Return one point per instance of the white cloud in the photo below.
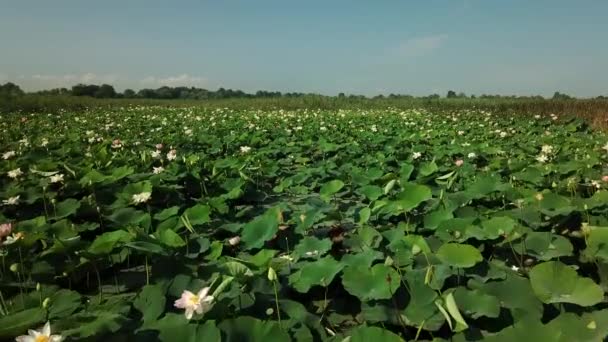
(420, 46)
(174, 81)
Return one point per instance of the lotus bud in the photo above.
(46, 302)
(272, 275)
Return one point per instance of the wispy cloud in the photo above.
(174, 81)
(420, 46)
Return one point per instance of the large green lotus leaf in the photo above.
(554, 205)
(371, 192)
(311, 247)
(362, 259)
(457, 229)
(330, 188)
(66, 208)
(150, 302)
(544, 245)
(459, 255)
(308, 218)
(208, 332)
(589, 327)
(170, 238)
(525, 330)
(99, 322)
(514, 292)
(421, 307)
(530, 175)
(261, 229)
(367, 334)
(365, 238)
(130, 217)
(377, 282)
(320, 272)
(106, 242)
(64, 303)
(197, 214)
(485, 185)
(476, 304)
(597, 244)
(555, 282)
(567, 327)
(166, 213)
(17, 323)
(405, 172)
(599, 199)
(427, 169)
(497, 226)
(436, 217)
(246, 328)
(174, 327)
(411, 196)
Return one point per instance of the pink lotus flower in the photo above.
(459, 162)
(605, 178)
(199, 303)
(116, 143)
(159, 146)
(5, 229)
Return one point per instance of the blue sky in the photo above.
(361, 47)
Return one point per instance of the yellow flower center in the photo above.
(193, 301)
(42, 338)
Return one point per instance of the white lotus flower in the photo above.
(171, 155)
(12, 239)
(42, 335)
(44, 142)
(157, 170)
(15, 173)
(503, 134)
(8, 155)
(515, 268)
(472, 155)
(547, 149)
(416, 155)
(58, 178)
(245, 149)
(141, 197)
(155, 154)
(199, 303)
(11, 200)
(542, 158)
(233, 241)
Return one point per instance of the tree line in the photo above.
(106, 91)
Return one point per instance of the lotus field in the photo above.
(199, 224)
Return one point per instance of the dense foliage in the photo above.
(303, 225)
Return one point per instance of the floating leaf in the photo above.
(554, 282)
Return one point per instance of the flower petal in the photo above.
(203, 292)
(189, 313)
(46, 330)
(56, 338)
(25, 338)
